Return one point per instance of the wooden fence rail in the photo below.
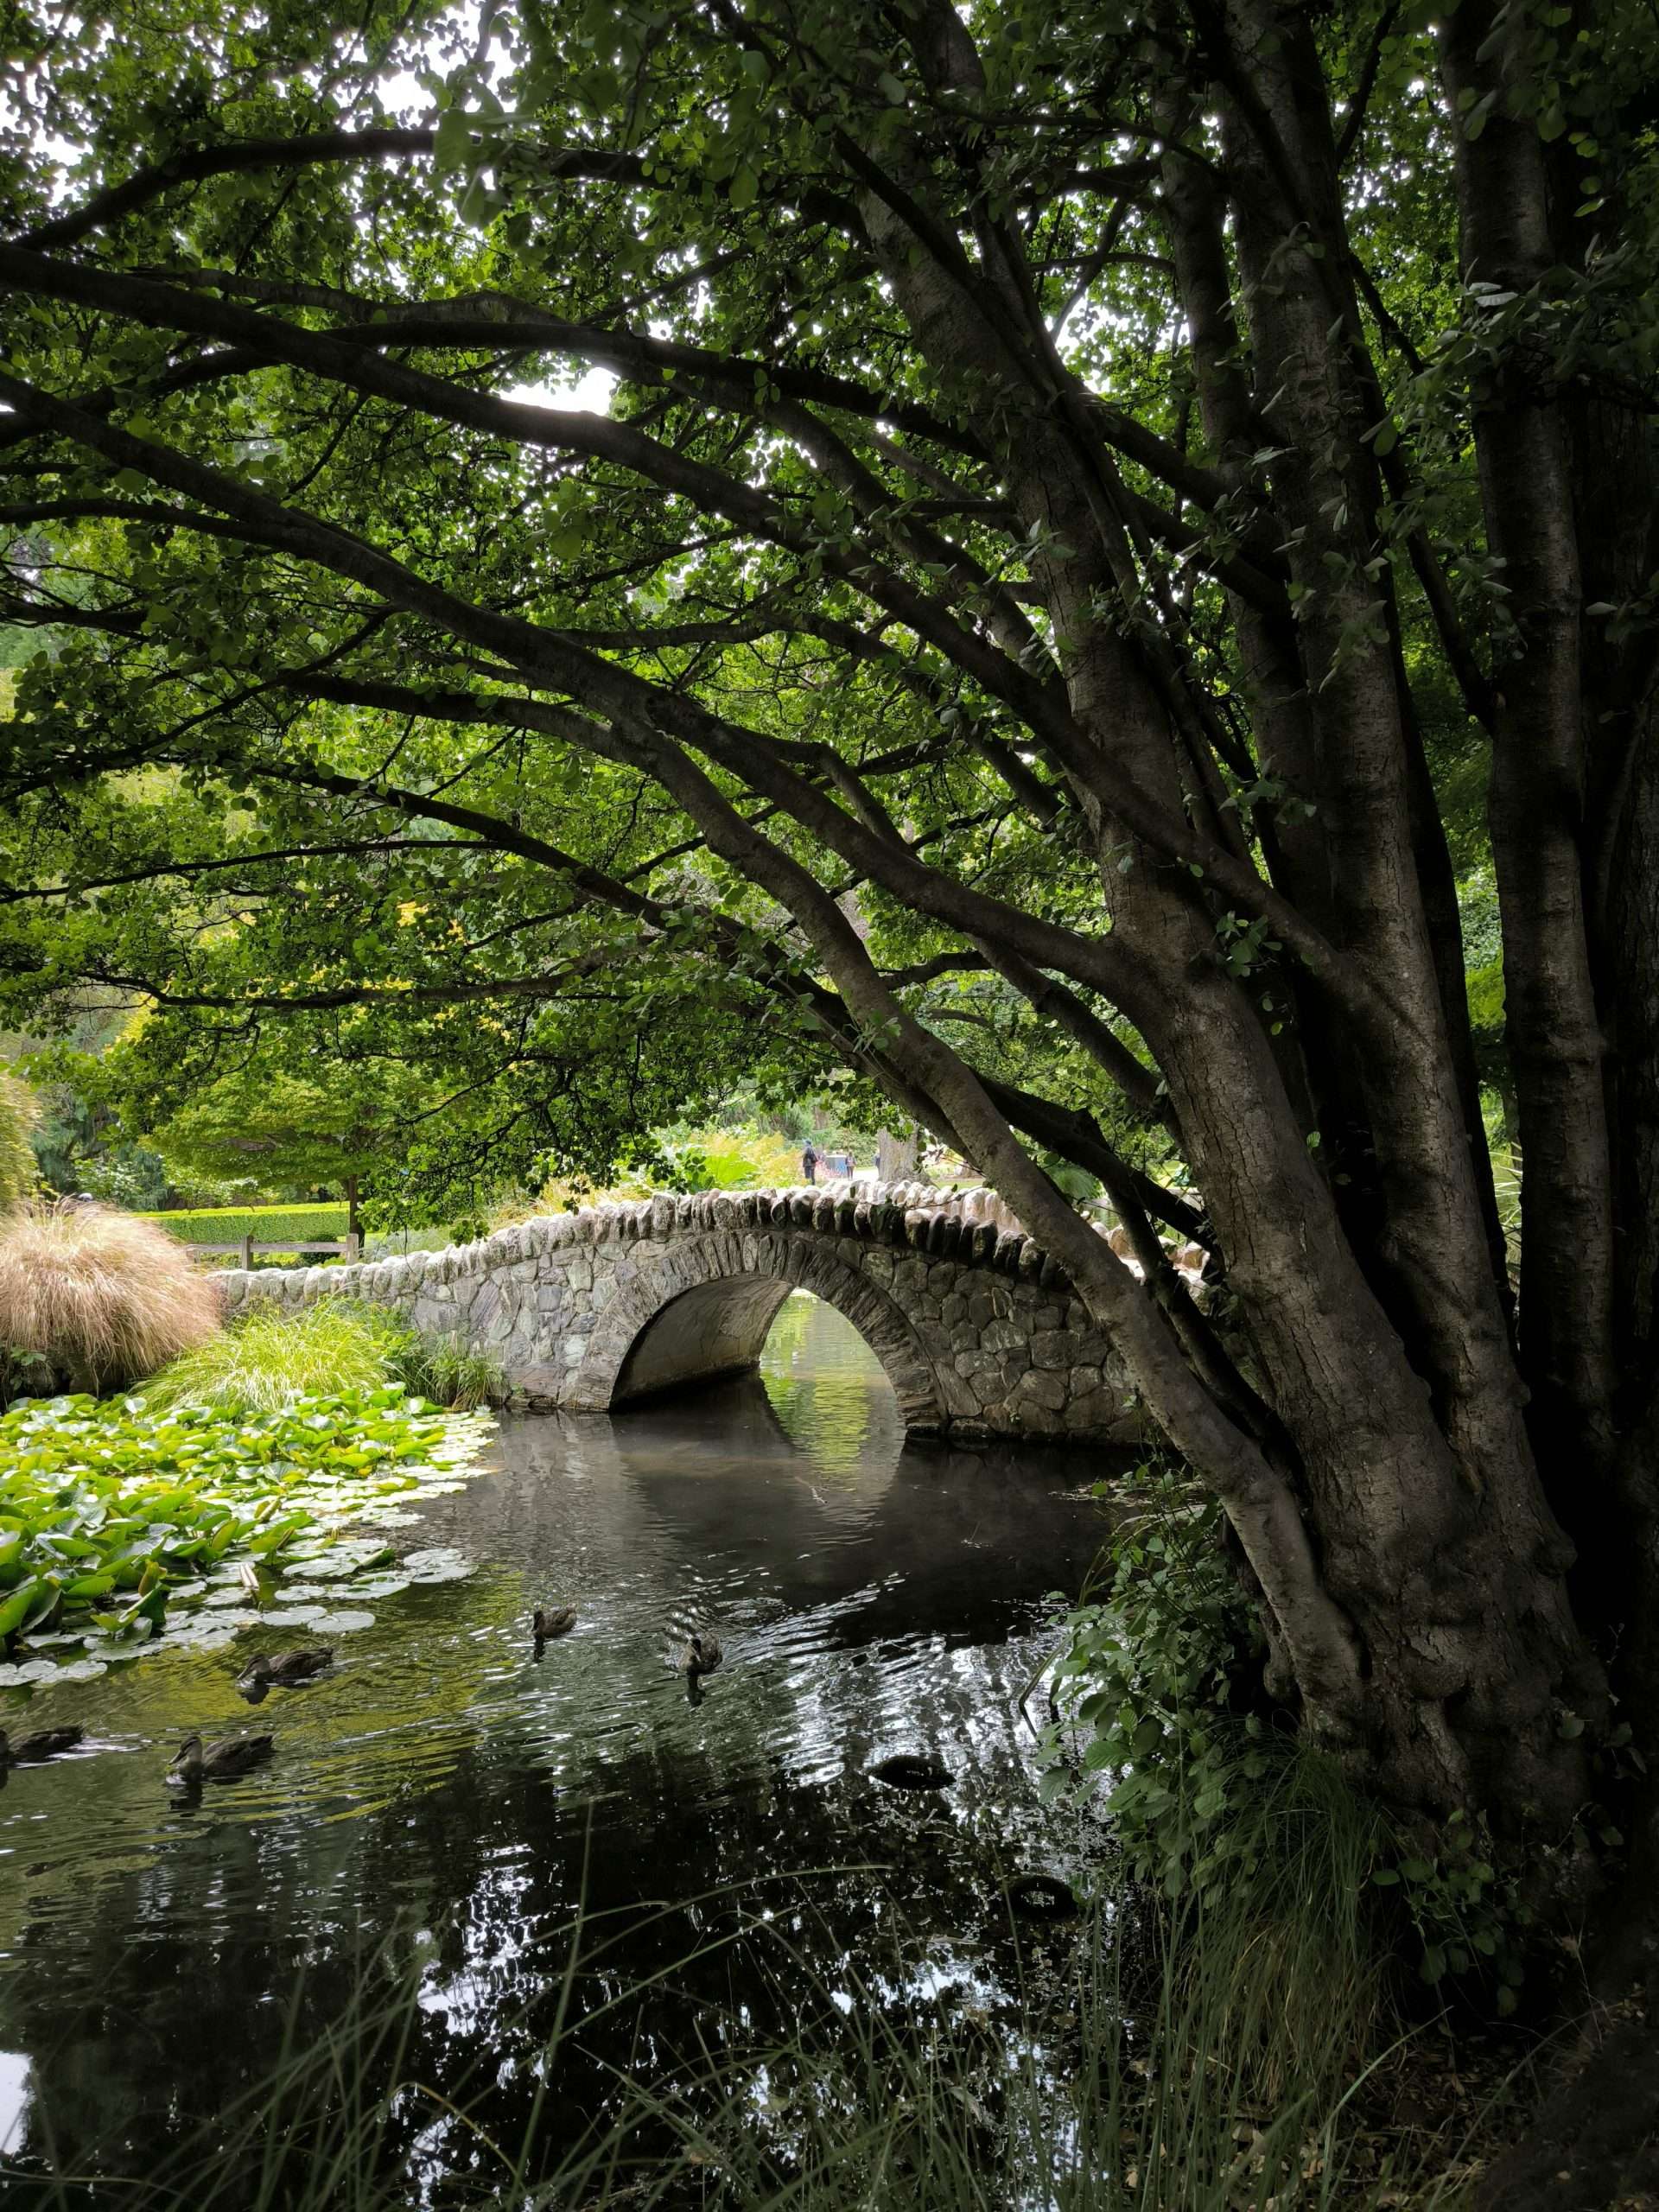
(349, 1247)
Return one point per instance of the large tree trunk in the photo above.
(1423, 1612)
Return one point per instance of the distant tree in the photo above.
(334, 1131)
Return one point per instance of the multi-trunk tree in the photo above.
(1084, 493)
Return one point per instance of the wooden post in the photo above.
(247, 1250)
(354, 1243)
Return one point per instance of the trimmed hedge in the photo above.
(228, 1224)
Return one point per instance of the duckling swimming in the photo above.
(702, 1655)
(285, 1668)
(196, 1762)
(44, 1744)
(559, 1621)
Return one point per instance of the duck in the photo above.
(557, 1622)
(44, 1744)
(283, 1667)
(703, 1655)
(195, 1761)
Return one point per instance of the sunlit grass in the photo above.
(268, 1357)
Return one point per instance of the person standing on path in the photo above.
(809, 1163)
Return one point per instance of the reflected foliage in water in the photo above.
(447, 1800)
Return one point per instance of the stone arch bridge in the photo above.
(978, 1329)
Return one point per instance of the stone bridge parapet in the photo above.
(978, 1329)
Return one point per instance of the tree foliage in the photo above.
(18, 1114)
(1099, 515)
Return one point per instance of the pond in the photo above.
(572, 1839)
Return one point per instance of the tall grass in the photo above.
(267, 1358)
(446, 1371)
(101, 1298)
(1139, 2064)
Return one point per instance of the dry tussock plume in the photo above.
(105, 1298)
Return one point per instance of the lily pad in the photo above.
(119, 1505)
(343, 1623)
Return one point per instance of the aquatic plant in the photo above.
(104, 1297)
(445, 1369)
(125, 1529)
(268, 1358)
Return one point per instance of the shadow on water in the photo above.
(448, 1794)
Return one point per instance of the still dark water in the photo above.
(527, 1842)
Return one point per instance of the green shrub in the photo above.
(265, 1225)
(446, 1371)
(103, 1299)
(268, 1357)
(1163, 1675)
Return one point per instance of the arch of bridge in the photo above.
(702, 1306)
(977, 1329)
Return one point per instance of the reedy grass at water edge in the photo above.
(446, 1371)
(1132, 2071)
(268, 1357)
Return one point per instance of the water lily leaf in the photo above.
(343, 1623)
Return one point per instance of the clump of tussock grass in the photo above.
(445, 1370)
(267, 1358)
(99, 1297)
